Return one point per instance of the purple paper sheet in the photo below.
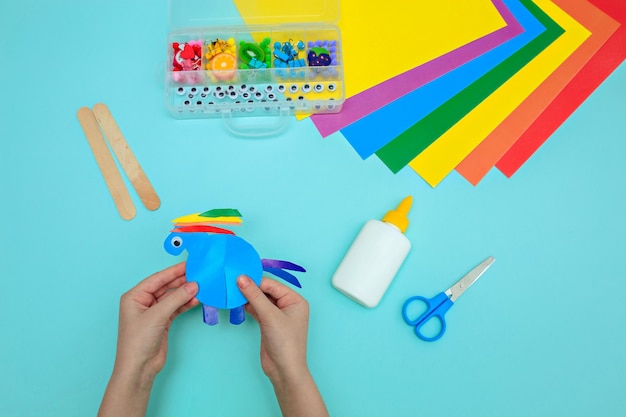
(380, 95)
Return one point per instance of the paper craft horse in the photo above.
(217, 257)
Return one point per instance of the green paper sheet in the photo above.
(399, 152)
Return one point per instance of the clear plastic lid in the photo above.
(199, 13)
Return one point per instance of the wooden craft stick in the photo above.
(107, 165)
(126, 158)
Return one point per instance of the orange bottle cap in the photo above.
(398, 217)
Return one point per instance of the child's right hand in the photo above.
(283, 317)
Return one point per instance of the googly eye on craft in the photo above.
(258, 94)
(230, 88)
(269, 88)
(252, 89)
(306, 87)
(300, 98)
(318, 88)
(271, 96)
(293, 88)
(219, 94)
(242, 88)
(206, 90)
(199, 103)
(331, 87)
(187, 102)
(245, 95)
(219, 88)
(233, 94)
(181, 91)
(281, 88)
(193, 91)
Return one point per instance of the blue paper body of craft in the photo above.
(214, 262)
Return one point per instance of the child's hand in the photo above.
(146, 313)
(283, 316)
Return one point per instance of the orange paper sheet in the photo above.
(478, 163)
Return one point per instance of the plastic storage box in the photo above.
(241, 59)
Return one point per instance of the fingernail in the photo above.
(191, 288)
(243, 281)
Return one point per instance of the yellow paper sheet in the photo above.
(384, 39)
(440, 158)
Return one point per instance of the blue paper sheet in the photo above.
(374, 131)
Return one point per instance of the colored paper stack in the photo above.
(469, 86)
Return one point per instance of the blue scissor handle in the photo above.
(436, 308)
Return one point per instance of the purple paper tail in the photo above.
(275, 263)
(210, 315)
(290, 278)
(276, 267)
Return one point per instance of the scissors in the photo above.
(437, 306)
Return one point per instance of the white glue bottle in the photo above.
(374, 258)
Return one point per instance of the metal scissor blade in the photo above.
(464, 283)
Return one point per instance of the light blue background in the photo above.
(542, 333)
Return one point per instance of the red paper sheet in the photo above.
(597, 69)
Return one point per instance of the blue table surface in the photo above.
(541, 333)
